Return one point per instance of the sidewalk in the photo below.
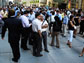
(62, 55)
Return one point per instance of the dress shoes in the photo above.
(40, 55)
(25, 48)
(57, 46)
(14, 60)
(46, 50)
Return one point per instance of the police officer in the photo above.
(14, 27)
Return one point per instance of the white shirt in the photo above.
(52, 18)
(25, 21)
(36, 25)
(44, 23)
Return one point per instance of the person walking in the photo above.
(14, 27)
(82, 53)
(65, 24)
(77, 24)
(71, 27)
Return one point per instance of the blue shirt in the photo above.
(48, 12)
(16, 12)
(15, 8)
(60, 17)
(65, 20)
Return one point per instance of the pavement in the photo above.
(55, 55)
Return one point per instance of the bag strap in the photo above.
(43, 22)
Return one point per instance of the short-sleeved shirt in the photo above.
(36, 25)
(44, 23)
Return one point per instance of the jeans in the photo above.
(44, 37)
(70, 38)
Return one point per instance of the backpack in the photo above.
(56, 25)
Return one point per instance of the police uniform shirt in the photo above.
(44, 23)
(25, 21)
(36, 25)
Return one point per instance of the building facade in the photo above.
(3, 3)
(38, 2)
(74, 3)
(42, 2)
(82, 5)
(55, 3)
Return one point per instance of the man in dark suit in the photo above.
(14, 27)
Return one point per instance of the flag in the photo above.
(69, 4)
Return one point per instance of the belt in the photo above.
(43, 31)
(35, 32)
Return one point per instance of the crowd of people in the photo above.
(34, 24)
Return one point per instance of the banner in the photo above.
(69, 4)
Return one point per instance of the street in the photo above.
(55, 55)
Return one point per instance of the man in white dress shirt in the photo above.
(36, 27)
(25, 32)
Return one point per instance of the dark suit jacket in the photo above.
(14, 26)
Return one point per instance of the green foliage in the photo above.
(24, 2)
(35, 1)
